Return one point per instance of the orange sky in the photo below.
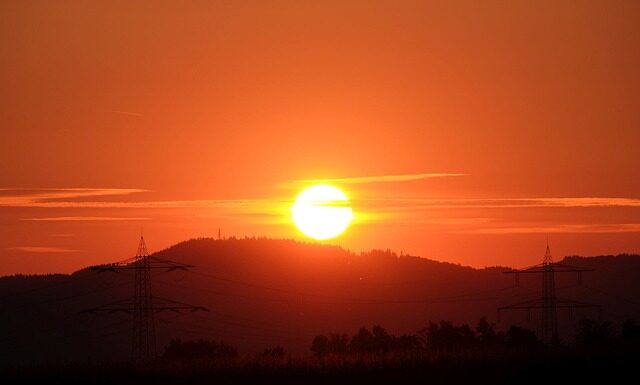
(185, 117)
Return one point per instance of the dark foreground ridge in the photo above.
(265, 293)
(508, 368)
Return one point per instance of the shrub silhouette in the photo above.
(630, 331)
(520, 338)
(445, 336)
(382, 340)
(362, 342)
(406, 342)
(338, 343)
(486, 334)
(376, 340)
(276, 352)
(198, 349)
(320, 345)
(335, 343)
(436, 337)
(593, 332)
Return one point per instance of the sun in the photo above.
(322, 212)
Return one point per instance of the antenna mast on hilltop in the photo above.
(549, 309)
(143, 305)
(548, 303)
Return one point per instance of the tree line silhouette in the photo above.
(198, 349)
(443, 336)
(440, 353)
(436, 337)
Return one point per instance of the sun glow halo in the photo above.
(322, 212)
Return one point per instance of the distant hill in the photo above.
(264, 292)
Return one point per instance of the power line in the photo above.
(338, 300)
(613, 295)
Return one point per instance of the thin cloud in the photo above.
(570, 202)
(491, 203)
(455, 221)
(368, 210)
(210, 203)
(33, 197)
(85, 219)
(569, 229)
(42, 249)
(429, 211)
(380, 178)
(128, 113)
(418, 218)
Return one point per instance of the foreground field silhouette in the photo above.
(264, 293)
(441, 353)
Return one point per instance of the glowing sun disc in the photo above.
(322, 212)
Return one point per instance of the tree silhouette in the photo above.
(320, 345)
(190, 350)
(630, 331)
(362, 342)
(486, 334)
(406, 342)
(520, 338)
(276, 352)
(382, 340)
(445, 336)
(593, 332)
(338, 343)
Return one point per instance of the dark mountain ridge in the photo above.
(265, 292)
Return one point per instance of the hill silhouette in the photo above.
(263, 293)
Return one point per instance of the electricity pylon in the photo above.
(548, 303)
(143, 305)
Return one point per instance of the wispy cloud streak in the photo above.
(67, 198)
(489, 203)
(572, 228)
(210, 203)
(380, 178)
(42, 249)
(15, 197)
(85, 219)
(128, 113)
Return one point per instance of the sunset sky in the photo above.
(461, 131)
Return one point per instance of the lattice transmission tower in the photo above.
(548, 303)
(143, 304)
